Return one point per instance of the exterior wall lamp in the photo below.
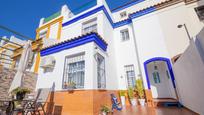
(184, 25)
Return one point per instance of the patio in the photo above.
(153, 111)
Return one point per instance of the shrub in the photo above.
(122, 93)
(130, 93)
(105, 108)
(140, 88)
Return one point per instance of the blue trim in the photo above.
(126, 6)
(74, 43)
(169, 68)
(83, 16)
(122, 23)
(114, 25)
(142, 12)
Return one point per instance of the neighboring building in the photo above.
(105, 51)
(7, 48)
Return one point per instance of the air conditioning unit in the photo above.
(200, 12)
(47, 62)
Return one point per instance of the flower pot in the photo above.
(20, 96)
(133, 102)
(104, 113)
(122, 98)
(142, 102)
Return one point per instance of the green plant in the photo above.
(71, 84)
(21, 90)
(122, 93)
(105, 108)
(140, 88)
(130, 93)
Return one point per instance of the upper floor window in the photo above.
(43, 34)
(130, 73)
(123, 14)
(125, 34)
(89, 26)
(74, 70)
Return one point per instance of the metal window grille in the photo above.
(74, 71)
(101, 77)
(130, 73)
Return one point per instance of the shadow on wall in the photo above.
(53, 109)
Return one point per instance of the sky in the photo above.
(23, 16)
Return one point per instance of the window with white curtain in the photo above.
(130, 73)
(101, 77)
(125, 35)
(74, 70)
(89, 26)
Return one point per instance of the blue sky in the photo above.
(24, 15)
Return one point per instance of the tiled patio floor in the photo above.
(153, 111)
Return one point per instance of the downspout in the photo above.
(136, 51)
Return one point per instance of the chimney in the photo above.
(66, 12)
(41, 21)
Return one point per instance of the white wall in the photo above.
(108, 36)
(136, 7)
(150, 40)
(54, 30)
(46, 80)
(189, 71)
(164, 89)
(75, 29)
(176, 39)
(124, 55)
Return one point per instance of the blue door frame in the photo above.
(168, 65)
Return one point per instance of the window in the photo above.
(123, 14)
(89, 26)
(17, 62)
(74, 70)
(124, 35)
(167, 74)
(200, 12)
(101, 71)
(156, 77)
(43, 34)
(130, 73)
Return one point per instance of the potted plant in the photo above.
(122, 97)
(140, 91)
(70, 85)
(20, 92)
(131, 96)
(105, 110)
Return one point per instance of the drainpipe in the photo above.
(136, 51)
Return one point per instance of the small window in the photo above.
(130, 73)
(123, 14)
(89, 26)
(200, 12)
(156, 77)
(124, 35)
(167, 74)
(43, 34)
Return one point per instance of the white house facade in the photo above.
(103, 51)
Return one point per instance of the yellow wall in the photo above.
(48, 26)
